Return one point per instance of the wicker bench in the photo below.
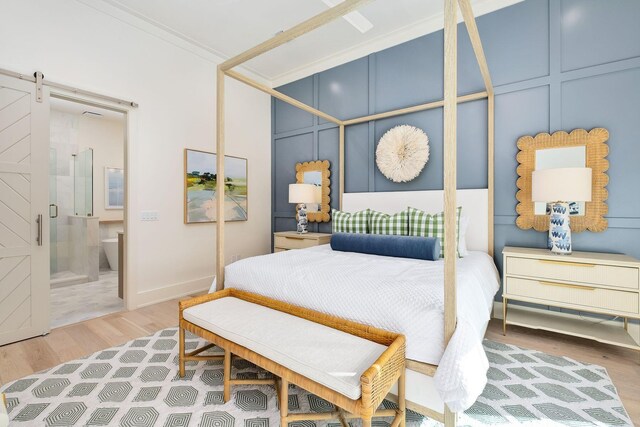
(348, 364)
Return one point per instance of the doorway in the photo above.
(32, 200)
(86, 210)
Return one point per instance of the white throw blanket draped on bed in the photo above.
(396, 294)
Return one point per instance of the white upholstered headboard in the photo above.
(474, 205)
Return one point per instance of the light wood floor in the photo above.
(74, 341)
(81, 339)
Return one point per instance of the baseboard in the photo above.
(634, 327)
(170, 292)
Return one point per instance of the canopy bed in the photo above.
(421, 395)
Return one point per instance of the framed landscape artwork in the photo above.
(200, 187)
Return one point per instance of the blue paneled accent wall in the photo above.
(556, 65)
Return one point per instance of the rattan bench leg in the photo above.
(402, 380)
(366, 421)
(181, 350)
(284, 402)
(227, 376)
(342, 419)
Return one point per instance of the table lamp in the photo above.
(560, 186)
(302, 194)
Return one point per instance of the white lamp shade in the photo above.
(561, 185)
(302, 193)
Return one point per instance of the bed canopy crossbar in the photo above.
(448, 103)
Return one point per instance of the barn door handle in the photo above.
(39, 222)
(53, 216)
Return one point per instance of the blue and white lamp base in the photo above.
(302, 218)
(559, 231)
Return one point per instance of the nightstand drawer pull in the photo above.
(293, 238)
(567, 263)
(566, 285)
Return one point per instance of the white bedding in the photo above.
(396, 294)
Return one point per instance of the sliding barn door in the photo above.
(24, 224)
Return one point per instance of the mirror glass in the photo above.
(566, 157)
(314, 178)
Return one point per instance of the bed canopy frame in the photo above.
(449, 104)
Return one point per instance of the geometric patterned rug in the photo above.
(137, 384)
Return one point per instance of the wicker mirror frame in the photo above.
(321, 166)
(596, 153)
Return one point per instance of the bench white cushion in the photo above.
(325, 355)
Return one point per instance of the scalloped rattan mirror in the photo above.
(589, 216)
(316, 173)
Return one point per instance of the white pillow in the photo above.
(462, 238)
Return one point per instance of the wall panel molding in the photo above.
(527, 102)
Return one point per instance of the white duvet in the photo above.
(396, 294)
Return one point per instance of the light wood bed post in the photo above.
(294, 32)
(341, 161)
(413, 109)
(490, 168)
(449, 103)
(281, 96)
(220, 259)
(450, 171)
(476, 43)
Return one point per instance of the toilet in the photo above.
(110, 247)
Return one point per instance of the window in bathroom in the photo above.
(114, 188)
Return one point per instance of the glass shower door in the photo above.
(83, 183)
(53, 210)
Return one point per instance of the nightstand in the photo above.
(286, 240)
(592, 282)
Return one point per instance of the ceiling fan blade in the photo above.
(356, 19)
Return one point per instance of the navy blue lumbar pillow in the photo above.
(427, 248)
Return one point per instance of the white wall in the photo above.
(76, 44)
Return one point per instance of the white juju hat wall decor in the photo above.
(402, 153)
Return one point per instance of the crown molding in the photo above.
(385, 41)
(122, 13)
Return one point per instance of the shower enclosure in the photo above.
(83, 183)
(71, 215)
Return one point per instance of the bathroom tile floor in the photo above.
(76, 303)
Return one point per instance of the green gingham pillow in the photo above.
(396, 224)
(345, 222)
(427, 225)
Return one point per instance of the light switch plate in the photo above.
(149, 216)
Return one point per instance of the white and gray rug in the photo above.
(136, 384)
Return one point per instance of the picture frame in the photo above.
(200, 187)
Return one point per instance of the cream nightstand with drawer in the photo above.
(286, 240)
(584, 281)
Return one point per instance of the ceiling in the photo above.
(70, 107)
(228, 27)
